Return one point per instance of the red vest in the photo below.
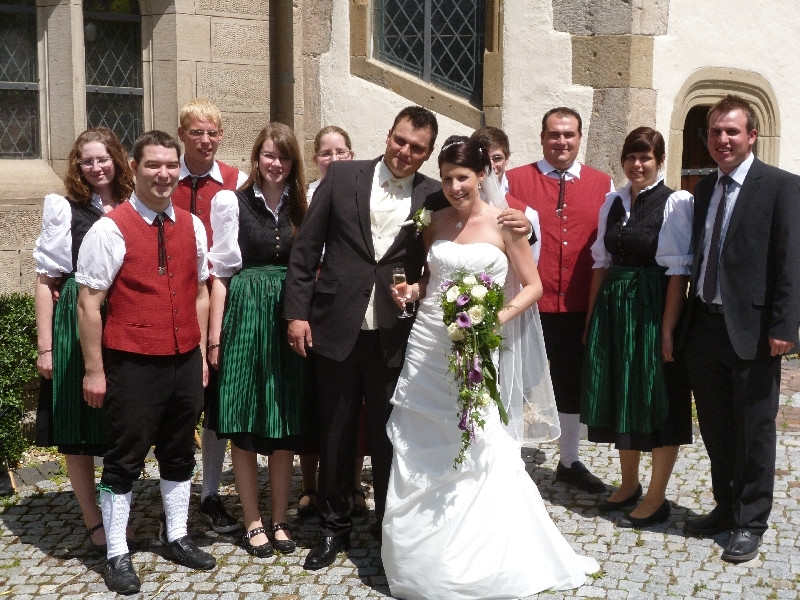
(148, 313)
(565, 264)
(206, 188)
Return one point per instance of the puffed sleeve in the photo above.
(225, 256)
(202, 250)
(101, 255)
(675, 238)
(53, 251)
(601, 256)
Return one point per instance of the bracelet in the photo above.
(212, 346)
(40, 352)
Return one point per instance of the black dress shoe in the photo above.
(185, 552)
(717, 521)
(119, 575)
(659, 516)
(579, 476)
(324, 553)
(609, 505)
(283, 546)
(743, 546)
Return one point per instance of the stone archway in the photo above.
(703, 88)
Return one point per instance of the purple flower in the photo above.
(486, 279)
(475, 376)
(462, 424)
(462, 300)
(463, 320)
(446, 284)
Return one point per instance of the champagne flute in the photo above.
(399, 278)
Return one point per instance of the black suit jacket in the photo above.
(760, 259)
(335, 304)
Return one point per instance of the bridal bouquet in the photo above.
(470, 303)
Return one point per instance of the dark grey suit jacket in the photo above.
(760, 259)
(335, 304)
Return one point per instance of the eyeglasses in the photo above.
(496, 158)
(89, 163)
(270, 157)
(340, 154)
(198, 133)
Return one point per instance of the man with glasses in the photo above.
(201, 177)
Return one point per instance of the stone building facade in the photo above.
(310, 63)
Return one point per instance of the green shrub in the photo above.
(17, 367)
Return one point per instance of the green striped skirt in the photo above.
(623, 386)
(261, 379)
(73, 421)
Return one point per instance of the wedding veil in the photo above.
(524, 376)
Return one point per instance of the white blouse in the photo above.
(53, 251)
(674, 249)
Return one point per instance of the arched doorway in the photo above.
(696, 162)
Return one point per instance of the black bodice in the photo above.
(262, 241)
(83, 217)
(634, 244)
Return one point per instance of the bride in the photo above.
(478, 530)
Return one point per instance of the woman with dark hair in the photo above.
(634, 390)
(443, 536)
(261, 381)
(98, 178)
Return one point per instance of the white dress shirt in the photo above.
(214, 173)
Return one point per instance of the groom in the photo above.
(349, 316)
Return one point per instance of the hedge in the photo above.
(17, 367)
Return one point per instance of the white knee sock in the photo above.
(570, 437)
(116, 509)
(213, 457)
(175, 495)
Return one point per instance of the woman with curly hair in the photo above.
(98, 178)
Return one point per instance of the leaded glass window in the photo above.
(113, 45)
(19, 80)
(439, 41)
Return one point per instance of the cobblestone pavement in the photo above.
(44, 552)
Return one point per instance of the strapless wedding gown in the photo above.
(480, 531)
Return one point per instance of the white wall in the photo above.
(751, 35)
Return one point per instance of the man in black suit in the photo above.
(744, 315)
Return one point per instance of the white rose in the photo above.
(425, 217)
(479, 292)
(455, 332)
(470, 280)
(484, 398)
(475, 314)
(452, 293)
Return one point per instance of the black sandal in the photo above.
(265, 550)
(359, 509)
(283, 546)
(99, 548)
(310, 509)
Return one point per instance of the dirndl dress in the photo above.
(63, 416)
(262, 381)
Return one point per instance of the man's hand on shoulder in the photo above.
(515, 220)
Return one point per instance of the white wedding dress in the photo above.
(480, 531)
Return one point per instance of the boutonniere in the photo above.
(420, 220)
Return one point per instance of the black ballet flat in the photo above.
(609, 505)
(283, 546)
(265, 550)
(659, 516)
(310, 509)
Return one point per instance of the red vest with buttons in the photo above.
(565, 264)
(206, 188)
(148, 313)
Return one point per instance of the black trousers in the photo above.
(737, 404)
(563, 338)
(151, 400)
(340, 387)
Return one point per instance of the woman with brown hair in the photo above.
(261, 381)
(635, 393)
(98, 178)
